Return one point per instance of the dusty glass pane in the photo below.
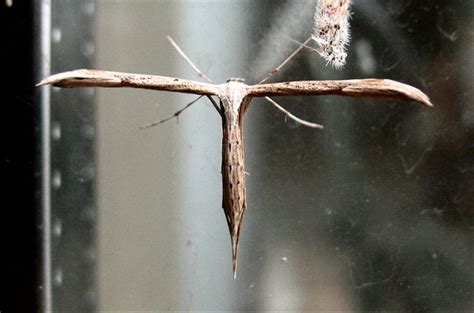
(372, 213)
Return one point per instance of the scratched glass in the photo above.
(372, 213)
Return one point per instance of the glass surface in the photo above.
(372, 213)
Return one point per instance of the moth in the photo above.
(234, 99)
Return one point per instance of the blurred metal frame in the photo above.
(65, 38)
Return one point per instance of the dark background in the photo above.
(19, 170)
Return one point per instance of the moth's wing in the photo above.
(97, 78)
(363, 88)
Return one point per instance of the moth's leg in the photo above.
(288, 59)
(218, 109)
(297, 119)
(175, 115)
(181, 52)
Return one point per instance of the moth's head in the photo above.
(237, 80)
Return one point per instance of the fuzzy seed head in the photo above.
(331, 30)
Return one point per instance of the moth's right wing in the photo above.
(97, 78)
(362, 88)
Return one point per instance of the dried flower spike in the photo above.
(331, 30)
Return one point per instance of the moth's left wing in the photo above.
(97, 78)
(368, 88)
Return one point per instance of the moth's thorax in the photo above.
(232, 94)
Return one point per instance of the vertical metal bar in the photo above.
(72, 163)
(43, 63)
(66, 157)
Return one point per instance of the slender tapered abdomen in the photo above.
(234, 200)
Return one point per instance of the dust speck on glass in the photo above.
(372, 213)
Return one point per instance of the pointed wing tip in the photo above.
(420, 97)
(429, 104)
(412, 93)
(82, 78)
(61, 79)
(57, 78)
(42, 83)
(426, 101)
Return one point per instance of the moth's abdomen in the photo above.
(233, 174)
(234, 200)
(234, 103)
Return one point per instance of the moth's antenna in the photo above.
(175, 115)
(200, 73)
(278, 68)
(303, 44)
(297, 119)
